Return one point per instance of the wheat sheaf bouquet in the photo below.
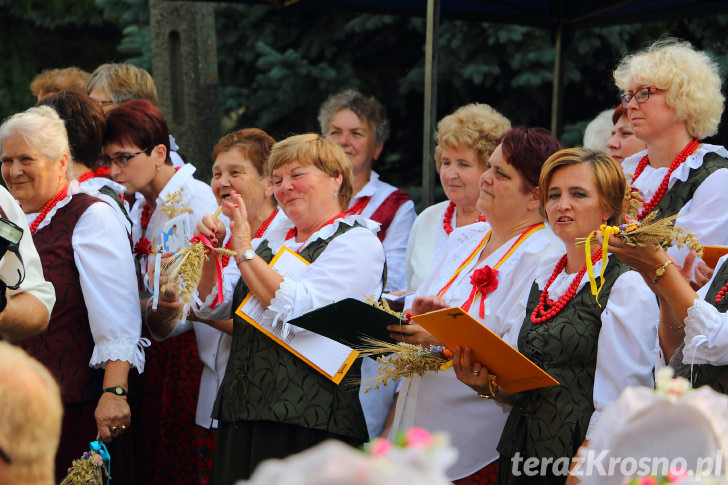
(401, 359)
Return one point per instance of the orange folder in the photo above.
(453, 327)
(711, 254)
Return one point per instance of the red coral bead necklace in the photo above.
(662, 189)
(47, 208)
(540, 314)
(447, 218)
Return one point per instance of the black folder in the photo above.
(348, 321)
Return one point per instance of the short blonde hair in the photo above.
(608, 177)
(312, 149)
(475, 125)
(123, 82)
(690, 78)
(52, 81)
(30, 421)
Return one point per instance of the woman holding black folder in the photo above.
(595, 346)
(271, 403)
(499, 256)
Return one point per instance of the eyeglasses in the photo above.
(4, 456)
(121, 160)
(642, 95)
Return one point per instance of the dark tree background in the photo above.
(277, 65)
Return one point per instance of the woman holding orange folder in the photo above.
(486, 270)
(595, 346)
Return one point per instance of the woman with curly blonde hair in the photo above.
(673, 100)
(672, 95)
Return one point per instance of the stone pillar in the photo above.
(184, 67)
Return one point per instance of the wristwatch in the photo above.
(247, 255)
(118, 390)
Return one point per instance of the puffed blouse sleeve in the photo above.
(628, 344)
(351, 266)
(706, 329)
(108, 281)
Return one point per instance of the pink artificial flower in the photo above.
(648, 481)
(676, 474)
(418, 438)
(379, 447)
(97, 460)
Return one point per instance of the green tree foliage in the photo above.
(38, 35)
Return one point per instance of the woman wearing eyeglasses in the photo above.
(94, 330)
(673, 100)
(136, 149)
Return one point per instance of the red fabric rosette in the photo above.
(484, 280)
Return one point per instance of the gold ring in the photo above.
(114, 429)
(476, 372)
(123, 427)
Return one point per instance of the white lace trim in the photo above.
(278, 235)
(125, 349)
(97, 183)
(681, 173)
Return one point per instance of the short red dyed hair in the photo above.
(526, 149)
(137, 122)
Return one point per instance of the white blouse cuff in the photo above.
(222, 311)
(125, 349)
(703, 319)
(280, 309)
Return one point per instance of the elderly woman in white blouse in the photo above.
(91, 341)
(465, 140)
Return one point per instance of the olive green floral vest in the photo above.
(682, 192)
(265, 382)
(552, 421)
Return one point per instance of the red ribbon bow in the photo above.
(484, 280)
(218, 267)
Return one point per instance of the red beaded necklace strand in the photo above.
(47, 208)
(721, 293)
(86, 176)
(540, 314)
(358, 207)
(447, 218)
(292, 232)
(662, 189)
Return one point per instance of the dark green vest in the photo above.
(552, 421)
(682, 192)
(265, 382)
(706, 374)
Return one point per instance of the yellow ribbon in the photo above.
(606, 231)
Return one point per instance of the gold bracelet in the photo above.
(491, 384)
(676, 329)
(660, 272)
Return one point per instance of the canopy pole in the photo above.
(430, 108)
